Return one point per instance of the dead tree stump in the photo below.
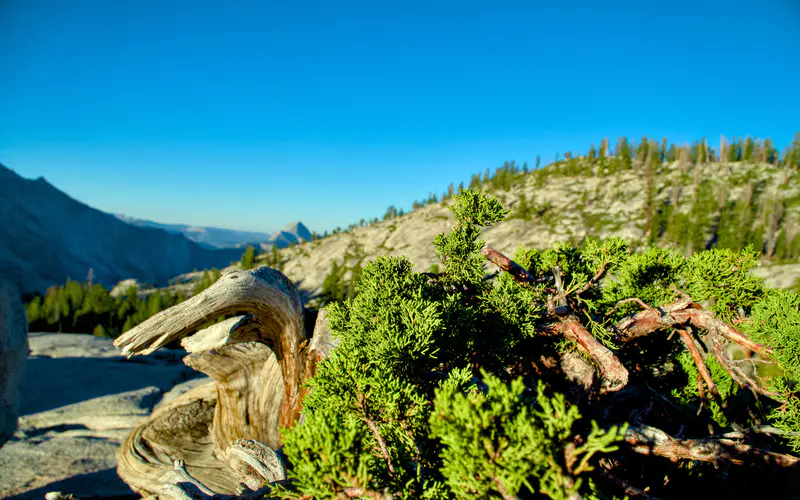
(258, 359)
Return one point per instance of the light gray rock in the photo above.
(13, 351)
(779, 276)
(80, 399)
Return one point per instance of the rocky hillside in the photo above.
(46, 236)
(679, 204)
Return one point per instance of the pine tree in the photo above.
(623, 151)
(748, 150)
(523, 209)
(734, 151)
(723, 149)
(249, 257)
(333, 286)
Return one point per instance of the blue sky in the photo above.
(249, 115)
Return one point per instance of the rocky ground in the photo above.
(80, 401)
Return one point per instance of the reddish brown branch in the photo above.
(381, 443)
(361, 492)
(613, 374)
(632, 300)
(517, 272)
(375, 432)
(597, 277)
(682, 313)
(640, 324)
(652, 441)
(700, 390)
(698, 360)
(354, 492)
(502, 490)
(705, 319)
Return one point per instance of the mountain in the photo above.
(678, 205)
(47, 236)
(294, 233)
(209, 237)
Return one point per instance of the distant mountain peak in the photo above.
(298, 229)
(50, 236)
(209, 237)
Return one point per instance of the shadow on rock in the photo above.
(55, 382)
(104, 484)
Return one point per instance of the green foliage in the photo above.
(496, 443)
(342, 280)
(722, 278)
(334, 454)
(524, 210)
(434, 390)
(273, 259)
(775, 322)
(79, 308)
(701, 221)
(206, 280)
(649, 276)
(689, 394)
(459, 249)
(333, 286)
(249, 257)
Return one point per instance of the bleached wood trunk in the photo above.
(258, 360)
(13, 353)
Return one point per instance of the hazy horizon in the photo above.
(251, 117)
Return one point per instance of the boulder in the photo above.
(13, 352)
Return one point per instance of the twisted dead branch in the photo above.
(258, 359)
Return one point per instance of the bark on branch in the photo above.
(613, 374)
(682, 313)
(517, 272)
(595, 279)
(652, 441)
(702, 369)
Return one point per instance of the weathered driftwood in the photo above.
(255, 465)
(13, 353)
(258, 360)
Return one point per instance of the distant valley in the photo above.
(46, 237)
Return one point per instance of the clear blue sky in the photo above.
(249, 115)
